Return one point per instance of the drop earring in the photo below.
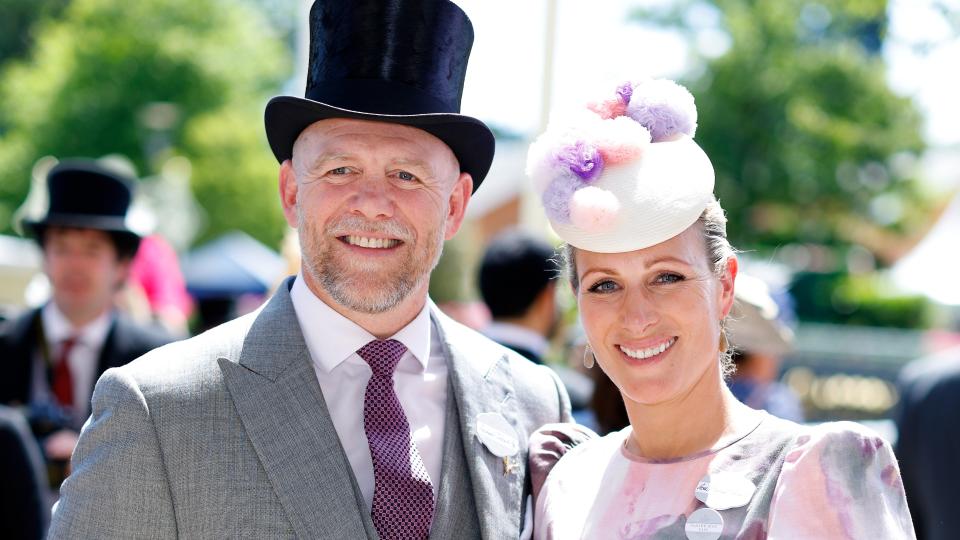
(589, 359)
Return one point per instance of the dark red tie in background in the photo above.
(62, 381)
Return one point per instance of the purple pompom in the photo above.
(556, 198)
(665, 108)
(624, 91)
(582, 159)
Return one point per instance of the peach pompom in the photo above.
(608, 108)
(621, 140)
(593, 209)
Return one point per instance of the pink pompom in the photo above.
(593, 209)
(608, 108)
(621, 140)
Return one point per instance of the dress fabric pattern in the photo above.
(836, 480)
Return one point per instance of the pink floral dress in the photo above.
(777, 480)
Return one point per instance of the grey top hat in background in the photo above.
(397, 61)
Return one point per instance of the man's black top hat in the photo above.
(398, 61)
(85, 195)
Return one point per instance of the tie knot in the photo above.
(382, 355)
(67, 343)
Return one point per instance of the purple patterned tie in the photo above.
(403, 494)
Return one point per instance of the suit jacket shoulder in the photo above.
(128, 340)
(18, 340)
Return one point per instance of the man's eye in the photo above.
(405, 176)
(604, 286)
(339, 171)
(669, 277)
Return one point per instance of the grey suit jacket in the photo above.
(227, 435)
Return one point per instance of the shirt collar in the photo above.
(56, 327)
(332, 338)
(519, 336)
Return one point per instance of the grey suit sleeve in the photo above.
(118, 487)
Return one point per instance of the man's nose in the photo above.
(372, 199)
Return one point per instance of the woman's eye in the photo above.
(604, 286)
(669, 277)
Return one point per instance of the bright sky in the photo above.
(598, 44)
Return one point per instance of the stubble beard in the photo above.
(360, 286)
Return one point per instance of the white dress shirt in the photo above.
(83, 359)
(420, 381)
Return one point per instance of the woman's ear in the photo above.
(727, 281)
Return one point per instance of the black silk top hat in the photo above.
(397, 61)
(85, 195)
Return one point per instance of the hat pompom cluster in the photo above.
(566, 160)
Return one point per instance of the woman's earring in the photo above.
(724, 345)
(588, 357)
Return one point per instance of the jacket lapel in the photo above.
(482, 383)
(281, 406)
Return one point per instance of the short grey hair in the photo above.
(713, 221)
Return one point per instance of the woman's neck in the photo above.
(690, 424)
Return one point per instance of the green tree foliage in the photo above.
(804, 133)
(17, 24)
(150, 79)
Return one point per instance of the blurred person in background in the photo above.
(347, 406)
(24, 510)
(518, 278)
(928, 443)
(759, 340)
(630, 192)
(155, 274)
(518, 283)
(52, 356)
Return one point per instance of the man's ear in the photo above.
(459, 197)
(288, 192)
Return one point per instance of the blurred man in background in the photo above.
(53, 356)
(928, 444)
(518, 282)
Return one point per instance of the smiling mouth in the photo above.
(370, 243)
(649, 352)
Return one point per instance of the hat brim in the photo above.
(79, 221)
(471, 140)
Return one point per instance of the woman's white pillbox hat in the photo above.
(625, 174)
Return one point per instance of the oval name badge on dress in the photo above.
(704, 524)
(723, 490)
(497, 434)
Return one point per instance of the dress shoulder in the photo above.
(839, 480)
(549, 444)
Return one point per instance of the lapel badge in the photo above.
(704, 524)
(724, 490)
(499, 438)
